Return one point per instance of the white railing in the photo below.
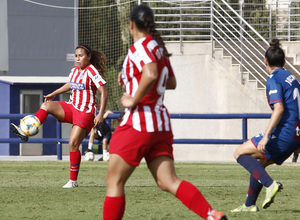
(224, 25)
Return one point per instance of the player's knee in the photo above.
(44, 106)
(47, 106)
(236, 153)
(162, 186)
(73, 145)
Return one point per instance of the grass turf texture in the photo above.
(33, 190)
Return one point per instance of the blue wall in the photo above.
(10, 101)
(4, 109)
(40, 38)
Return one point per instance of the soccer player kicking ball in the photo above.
(145, 130)
(281, 137)
(80, 110)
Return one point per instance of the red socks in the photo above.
(75, 159)
(114, 208)
(42, 115)
(192, 198)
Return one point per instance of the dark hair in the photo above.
(143, 17)
(98, 59)
(274, 54)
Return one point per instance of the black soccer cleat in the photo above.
(17, 131)
(100, 159)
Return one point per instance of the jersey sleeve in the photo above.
(141, 56)
(274, 91)
(71, 73)
(96, 77)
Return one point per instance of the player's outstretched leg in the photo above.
(192, 198)
(271, 192)
(17, 131)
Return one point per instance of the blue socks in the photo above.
(255, 169)
(258, 177)
(253, 191)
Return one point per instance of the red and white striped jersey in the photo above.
(150, 114)
(84, 86)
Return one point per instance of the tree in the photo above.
(99, 27)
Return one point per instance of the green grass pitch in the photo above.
(33, 190)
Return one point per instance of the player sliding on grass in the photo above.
(80, 110)
(282, 136)
(145, 130)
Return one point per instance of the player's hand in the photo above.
(127, 101)
(98, 120)
(261, 147)
(120, 81)
(49, 97)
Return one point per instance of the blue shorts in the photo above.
(276, 149)
(107, 136)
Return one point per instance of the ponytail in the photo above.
(98, 59)
(157, 37)
(143, 17)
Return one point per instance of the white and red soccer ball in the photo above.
(30, 125)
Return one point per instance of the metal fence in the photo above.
(59, 140)
(241, 29)
(191, 19)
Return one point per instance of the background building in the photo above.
(37, 47)
(218, 50)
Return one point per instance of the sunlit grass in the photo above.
(33, 190)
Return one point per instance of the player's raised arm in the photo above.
(63, 89)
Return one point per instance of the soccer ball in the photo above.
(106, 157)
(89, 156)
(30, 125)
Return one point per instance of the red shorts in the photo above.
(133, 145)
(75, 117)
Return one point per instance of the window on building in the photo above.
(31, 101)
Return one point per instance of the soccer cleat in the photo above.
(100, 159)
(17, 131)
(216, 215)
(71, 184)
(295, 157)
(271, 193)
(244, 208)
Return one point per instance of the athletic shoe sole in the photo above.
(15, 129)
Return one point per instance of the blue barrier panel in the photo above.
(220, 116)
(208, 141)
(59, 141)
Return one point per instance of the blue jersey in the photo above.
(283, 87)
